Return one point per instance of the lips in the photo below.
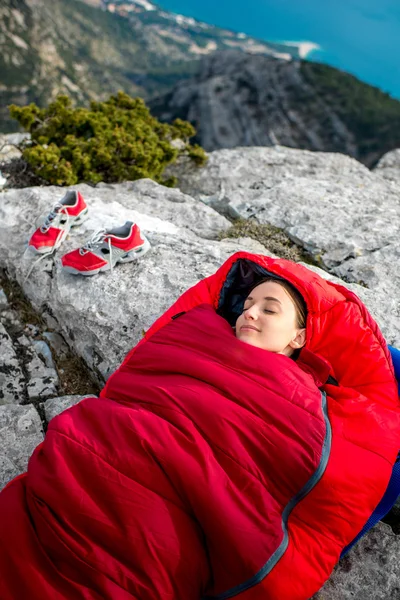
(249, 327)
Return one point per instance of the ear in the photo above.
(299, 340)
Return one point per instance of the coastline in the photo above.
(305, 48)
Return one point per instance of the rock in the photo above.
(44, 352)
(331, 205)
(3, 300)
(12, 380)
(389, 166)
(102, 317)
(55, 406)
(259, 169)
(43, 379)
(57, 343)
(20, 433)
(371, 570)
(238, 99)
(11, 318)
(17, 138)
(27, 371)
(8, 145)
(148, 198)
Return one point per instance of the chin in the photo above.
(248, 340)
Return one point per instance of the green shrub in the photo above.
(115, 140)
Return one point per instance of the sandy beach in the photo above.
(305, 48)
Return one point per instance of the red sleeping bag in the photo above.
(210, 468)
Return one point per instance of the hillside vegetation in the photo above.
(111, 141)
(370, 114)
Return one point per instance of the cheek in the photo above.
(239, 322)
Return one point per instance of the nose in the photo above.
(251, 313)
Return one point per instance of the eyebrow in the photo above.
(266, 298)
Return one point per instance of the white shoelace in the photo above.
(96, 240)
(56, 210)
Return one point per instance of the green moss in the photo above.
(274, 239)
(115, 140)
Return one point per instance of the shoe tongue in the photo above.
(122, 230)
(69, 199)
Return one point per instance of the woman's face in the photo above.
(269, 320)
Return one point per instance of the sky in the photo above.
(358, 36)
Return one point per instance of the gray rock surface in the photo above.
(8, 145)
(43, 379)
(11, 376)
(28, 375)
(389, 166)
(3, 300)
(57, 343)
(371, 570)
(27, 371)
(55, 406)
(239, 99)
(345, 215)
(20, 433)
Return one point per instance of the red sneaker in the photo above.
(69, 212)
(105, 249)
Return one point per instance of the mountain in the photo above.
(236, 90)
(90, 49)
(243, 100)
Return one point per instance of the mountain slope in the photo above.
(91, 49)
(59, 46)
(242, 100)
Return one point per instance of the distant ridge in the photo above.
(241, 100)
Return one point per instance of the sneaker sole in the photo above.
(130, 256)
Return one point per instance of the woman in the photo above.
(273, 317)
(214, 465)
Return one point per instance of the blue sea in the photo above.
(361, 37)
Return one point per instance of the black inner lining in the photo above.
(240, 279)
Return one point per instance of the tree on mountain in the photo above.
(112, 141)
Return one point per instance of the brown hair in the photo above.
(298, 300)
